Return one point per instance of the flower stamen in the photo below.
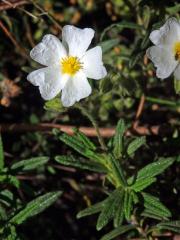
(177, 51)
(71, 65)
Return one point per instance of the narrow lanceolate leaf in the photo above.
(81, 163)
(1, 154)
(109, 209)
(141, 184)
(154, 205)
(12, 235)
(117, 231)
(135, 144)
(3, 215)
(85, 140)
(109, 44)
(170, 225)
(77, 146)
(119, 215)
(153, 169)
(121, 25)
(29, 164)
(118, 138)
(35, 207)
(6, 197)
(92, 209)
(117, 171)
(128, 204)
(150, 214)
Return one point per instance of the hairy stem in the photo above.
(94, 123)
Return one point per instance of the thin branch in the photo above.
(94, 123)
(5, 5)
(89, 131)
(22, 51)
(139, 111)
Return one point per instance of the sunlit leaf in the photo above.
(29, 164)
(80, 163)
(35, 207)
(117, 231)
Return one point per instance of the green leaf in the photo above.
(54, 105)
(81, 163)
(135, 58)
(109, 209)
(117, 171)
(3, 215)
(11, 233)
(141, 184)
(135, 144)
(120, 26)
(92, 209)
(128, 204)
(119, 215)
(78, 146)
(177, 86)
(35, 207)
(149, 214)
(153, 169)
(1, 154)
(109, 44)
(154, 205)
(174, 9)
(170, 225)
(7, 178)
(6, 197)
(117, 231)
(85, 140)
(29, 164)
(106, 84)
(118, 138)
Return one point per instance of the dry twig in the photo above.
(89, 131)
(4, 5)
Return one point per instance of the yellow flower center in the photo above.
(177, 51)
(71, 65)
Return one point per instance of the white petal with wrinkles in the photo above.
(49, 80)
(163, 60)
(75, 89)
(76, 39)
(177, 72)
(49, 51)
(93, 65)
(167, 34)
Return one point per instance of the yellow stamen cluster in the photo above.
(70, 65)
(177, 51)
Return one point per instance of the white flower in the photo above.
(166, 52)
(68, 65)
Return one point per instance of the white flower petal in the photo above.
(75, 89)
(77, 40)
(49, 80)
(93, 65)
(48, 51)
(177, 72)
(163, 60)
(167, 34)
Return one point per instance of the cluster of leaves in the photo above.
(128, 201)
(122, 30)
(13, 211)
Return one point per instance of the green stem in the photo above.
(162, 101)
(94, 123)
